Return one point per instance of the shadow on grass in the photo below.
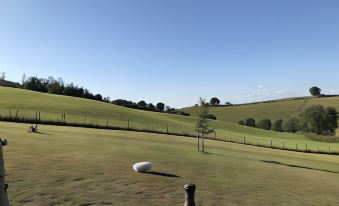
(161, 174)
(212, 153)
(42, 133)
(297, 166)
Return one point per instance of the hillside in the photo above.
(273, 110)
(76, 109)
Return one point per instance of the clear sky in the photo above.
(175, 51)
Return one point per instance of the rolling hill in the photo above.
(274, 110)
(26, 103)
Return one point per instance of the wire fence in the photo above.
(161, 127)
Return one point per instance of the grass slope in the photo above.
(52, 106)
(77, 166)
(274, 110)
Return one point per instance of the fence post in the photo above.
(271, 143)
(167, 128)
(107, 123)
(215, 134)
(127, 124)
(39, 117)
(3, 185)
(306, 147)
(244, 140)
(189, 194)
(296, 147)
(85, 119)
(329, 149)
(230, 137)
(10, 113)
(16, 115)
(318, 148)
(257, 142)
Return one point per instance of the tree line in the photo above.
(57, 86)
(315, 119)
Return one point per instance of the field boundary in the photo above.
(230, 140)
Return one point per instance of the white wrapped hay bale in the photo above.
(142, 166)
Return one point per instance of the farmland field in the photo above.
(52, 106)
(79, 166)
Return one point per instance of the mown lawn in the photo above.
(76, 166)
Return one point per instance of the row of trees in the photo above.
(57, 86)
(315, 119)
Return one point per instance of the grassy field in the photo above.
(78, 166)
(273, 110)
(52, 106)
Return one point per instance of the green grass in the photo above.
(52, 106)
(274, 110)
(78, 166)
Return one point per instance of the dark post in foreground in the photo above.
(189, 194)
(3, 186)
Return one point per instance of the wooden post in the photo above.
(39, 117)
(283, 145)
(85, 119)
(215, 134)
(36, 121)
(271, 144)
(127, 124)
(318, 148)
(306, 147)
(167, 128)
(107, 123)
(189, 194)
(10, 113)
(3, 185)
(329, 149)
(257, 142)
(296, 147)
(244, 140)
(16, 115)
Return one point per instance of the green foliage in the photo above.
(241, 122)
(160, 106)
(214, 101)
(315, 91)
(291, 125)
(265, 124)
(278, 125)
(142, 104)
(151, 107)
(250, 122)
(211, 116)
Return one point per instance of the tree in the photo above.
(98, 97)
(2, 75)
(331, 120)
(265, 124)
(315, 91)
(278, 125)
(241, 122)
(214, 101)
(291, 125)
(160, 106)
(315, 117)
(23, 79)
(151, 107)
(35, 84)
(202, 124)
(142, 104)
(250, 122)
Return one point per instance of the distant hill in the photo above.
(276, 109)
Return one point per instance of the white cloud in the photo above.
(280, 91)
(260, 86)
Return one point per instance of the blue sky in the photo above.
(175, 51)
